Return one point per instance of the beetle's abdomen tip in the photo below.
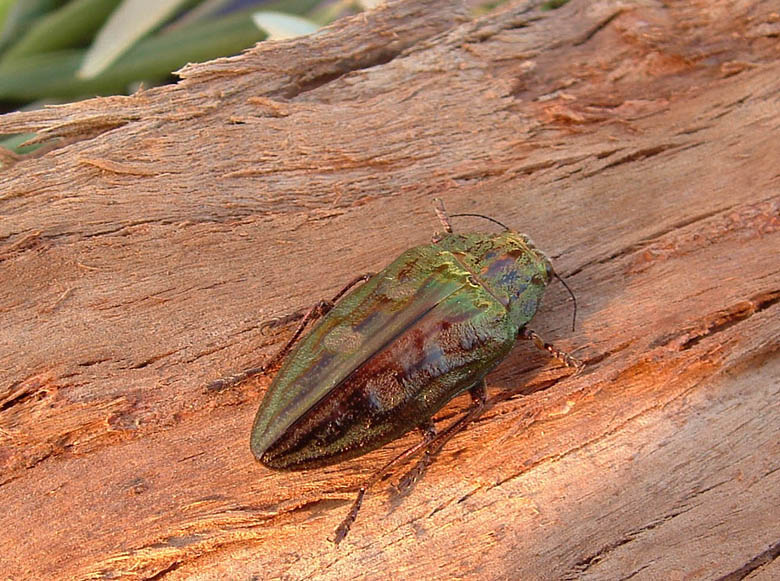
(267, 458)
(258, 450)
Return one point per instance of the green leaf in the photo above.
(203, 10)
(69, 26)
(207, 8)
(14, 143)
(154, 58)
(21, 16)
(279, 25)
(130, 22)
(5, 8)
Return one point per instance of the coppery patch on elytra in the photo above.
(384, 391)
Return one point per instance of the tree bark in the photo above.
(143, 249)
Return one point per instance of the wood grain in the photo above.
(144, 249)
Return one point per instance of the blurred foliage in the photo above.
(52, 51)
(57, 50)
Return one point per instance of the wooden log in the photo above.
(143, 250)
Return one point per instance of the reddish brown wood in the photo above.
(142, 253)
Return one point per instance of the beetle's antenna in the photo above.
(573, 298)
(441, 213)
(504, 226)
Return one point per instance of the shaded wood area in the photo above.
(142, 252)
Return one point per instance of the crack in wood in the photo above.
(757, 562)
(718, 322)
(20, 391)
(598, 27)
(586, 563)
(338, 70)
(638, 155)
(153, 359)
(674, 228)
(26, 242)
(634, 573)
(737, 314)
(210, 537)
(164, 572)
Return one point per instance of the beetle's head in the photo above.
(535, 257)
(517, 272)
(508, 265)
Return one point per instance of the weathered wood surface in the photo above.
(637, 142)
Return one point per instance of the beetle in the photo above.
(386, 356)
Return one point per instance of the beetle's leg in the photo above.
(429, 432)
(353, 282)
(283, 320)
(441, 214)
(298, 315)
(432, 444)
(413, 475)
(562, 356)
(478, 399)
(314, 313)
(231, 380)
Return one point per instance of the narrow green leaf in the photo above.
(69, 26)
(279, 25)
(203, 10)
(131, 21)
(207, 8)
(5, 8)
(54, 74)
(21, 16)
(327, 12)
(14, 143)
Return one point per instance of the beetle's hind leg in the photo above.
(478, 399)
(432, 443)
(562, 356)
(307, 317)
(413, 475)
(429, 433)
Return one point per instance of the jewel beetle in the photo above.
(384, 357)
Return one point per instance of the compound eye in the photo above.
(550, 272)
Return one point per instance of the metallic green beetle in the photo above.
(391, 353)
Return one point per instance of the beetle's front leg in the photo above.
(441, 214)
(314, 313)
(562, 356)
